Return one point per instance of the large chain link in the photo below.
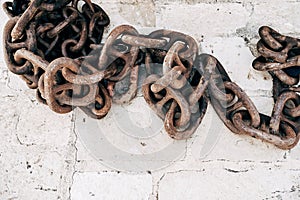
(55, 46)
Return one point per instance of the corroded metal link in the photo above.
(10, 47)
(283, 113)
(275, 46)
(185, 55)
(204, 67)
(171, 101)
(77, 45)
(125, 90)
(242, 117)
(191, 50)
(277, 69)
(89, 8)
(174, 108)
(8, 9)
(159, 105)
(49, 84)
(167, 80)
(99, 18)
(181, 118)
(29, 73)
(195, 96)
(172, 69)
(279, 55)
(43, 29)
(286, 141)
(172, 59)
(69, 18)
(109, 52)
(25, 18)
(217, 77)
(57, 4)
(16, 7)
(62, 96)
(172, 97)
(143, 41)
(64, 104)
(95, 33)
(242, 102)
(101, 106)
(195, 120)
(264, 65)
(35, 60)
(82, 95)
(98, 21)
(25, 34)
(86, 79)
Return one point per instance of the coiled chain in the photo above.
(55, 46)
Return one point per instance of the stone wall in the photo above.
(43, 157)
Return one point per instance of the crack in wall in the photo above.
(155, 189)
(157, 186)
(46, 189)
(236, 171)
(17, 136)
(75, 156)
(280, 193)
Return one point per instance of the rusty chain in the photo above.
(56, 47)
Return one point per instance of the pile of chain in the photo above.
(55, 46)
(39, 32)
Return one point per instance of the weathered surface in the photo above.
(111, 185)
(47, 160)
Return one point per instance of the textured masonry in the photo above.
(41, 156)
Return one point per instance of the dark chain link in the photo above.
(280, 56)
(55, 46)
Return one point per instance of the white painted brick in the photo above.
(203, 19)
(227, 184)
(183, 2)
(213, 141)
(43, 132)
(137, 13)
(86, 161)
(295, 153)
(140, 13)
(283, 17)
(28, 122)
(237, 60)
(48, 145)
(35, 172)
(111, 186)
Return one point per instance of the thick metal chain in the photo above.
(55, 46)
(280, 57)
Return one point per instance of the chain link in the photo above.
(56, 47)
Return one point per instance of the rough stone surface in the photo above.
(42, 155)
(207, 19)
(109, 185)
(229, 183)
